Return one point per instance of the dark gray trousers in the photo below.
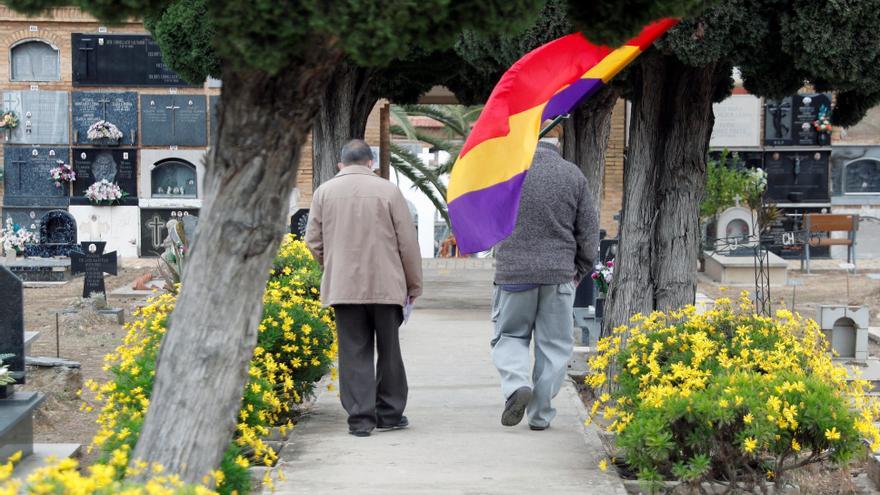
(371, 396)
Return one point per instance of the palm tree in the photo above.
(457, 121)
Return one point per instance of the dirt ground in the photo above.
(82, 337)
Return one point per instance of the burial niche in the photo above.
(35, 60)
(843, 338)
(862, 176)
(58, 227)
(173, 178)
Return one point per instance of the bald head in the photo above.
(356, 152)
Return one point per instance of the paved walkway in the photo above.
(456, 444)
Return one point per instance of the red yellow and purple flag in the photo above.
(486, 181)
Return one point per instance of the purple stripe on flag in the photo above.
(483, 218)
(563, 101)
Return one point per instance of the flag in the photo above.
(486, 181)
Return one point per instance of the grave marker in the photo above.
(12, 323)
(116, 165)
(789, 121)
(27, 181)
(120, 109)
(797, 176)
(93, 263)
(120, 60)
(174, 120)
(43, 116)
(154, 230)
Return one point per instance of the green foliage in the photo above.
(186, 38)
(724, 183)
(612, 22)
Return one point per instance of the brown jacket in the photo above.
(361, 232)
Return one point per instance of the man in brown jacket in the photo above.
(361, 232)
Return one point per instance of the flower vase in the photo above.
(600, 307)
(823, 138)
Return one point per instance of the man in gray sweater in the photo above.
(537, 270)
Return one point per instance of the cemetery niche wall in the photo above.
(855, 174)
(117, 108)
(154, 228)
(29, 192)
(789, 121)
(171, 178)
(174, 120)
(57, 235)
(43, 117)
(114, 165)
(120, 60)
(34, 60)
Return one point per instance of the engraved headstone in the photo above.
(42, 116)
(93, 263)
(154, 227)
(174, 120)
(120, 109)
(116, 165)
(120, 60)
(789, 121)
(26, 178)
(12, 322)
(797, 176)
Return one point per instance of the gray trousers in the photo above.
(546, 313)
(370, 395)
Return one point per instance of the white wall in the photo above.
(426, 210)
(119, 226)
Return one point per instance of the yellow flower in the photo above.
(603, 464)
(747, 419)
(832, 434)
(749, 444)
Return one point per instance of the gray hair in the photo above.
(356, 152)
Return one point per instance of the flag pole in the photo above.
(553, 123)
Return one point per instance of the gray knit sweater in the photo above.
(556, 237)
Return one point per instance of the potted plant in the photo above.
(104, 132)
(8, 122)
(823, 128)
(63, 173)
(602, 276)
(104, 192)
(14, 239)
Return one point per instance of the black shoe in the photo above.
(403, 423)
(538, 428)
(515, 406)
(359, 433)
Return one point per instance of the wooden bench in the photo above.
(826, 222)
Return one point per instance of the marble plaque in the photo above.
(120, 60)
(153, 229)
(42, 116)
(120, 109)
(797, 176)
(174, 120)
(116, 165)
(27, 181)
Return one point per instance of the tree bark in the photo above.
(664, 178)
(585, 138)
(345, 108)
(203, 361)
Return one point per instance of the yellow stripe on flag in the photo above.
(609, 66)
(498, 159)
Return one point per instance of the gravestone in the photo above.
(16, 408)
(174, 178)
(120, 60)
(34, 60)
(846, 329)
(174, 120)
(154, 230)
(298, 223)
(789, 121)
(116, 165)
(12, 323)
(26, 177)
(797, 176)
(57, 235)
(93, 263)
(43, 116)
(120, 109)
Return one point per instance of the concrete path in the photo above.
(456, 444)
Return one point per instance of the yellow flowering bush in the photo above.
(296, 347)
(727, 396)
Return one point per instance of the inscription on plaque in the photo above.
(26, 179)
(120, 109)
(797, 176)
(120, 60)
(174, 120)
(93, 263)
(154, 230)
(115, 165)
(42, 116)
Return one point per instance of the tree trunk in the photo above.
(585, 138)
(345, 108)
(664, 178)
(251, 171)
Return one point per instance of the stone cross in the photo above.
(19, 163)
(172, 107)
(156, 224)
(93, 262)
(86, 56)
(12, 322)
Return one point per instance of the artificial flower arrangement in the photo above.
(823, 122)
(103, 129)
(15, 237)
(104, 191)
(603, 275)
(8, 120)
(5, 373)
(62, 173)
